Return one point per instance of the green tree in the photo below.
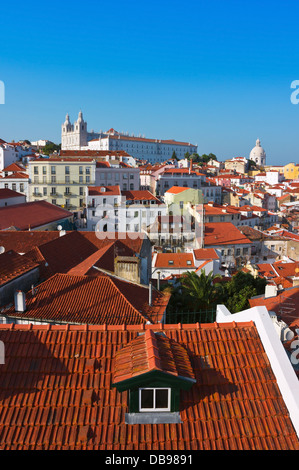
(237, 292)
(51, 148)
(195, 292)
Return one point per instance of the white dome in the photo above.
(258, 154)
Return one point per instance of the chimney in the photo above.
(158, 281)
(20, 301)
(270, 291)
(150, 294)
(190, 166)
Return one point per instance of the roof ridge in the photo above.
(111, 279)
(152, 350)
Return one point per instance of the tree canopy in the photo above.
(205, 291)
(51, 148)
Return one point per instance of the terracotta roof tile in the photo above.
(93, 300)
(13, 265)
(174, 260)
(31, 214)
(24, 241)
(223, 233)
(56, 391)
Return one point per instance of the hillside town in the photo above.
(149, 295)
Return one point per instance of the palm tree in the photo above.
(200, 291)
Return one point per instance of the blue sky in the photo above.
(215, 73)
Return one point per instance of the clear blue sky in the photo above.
(216, 73)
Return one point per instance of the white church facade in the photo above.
(76, 137)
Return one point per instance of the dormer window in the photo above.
(154, 369)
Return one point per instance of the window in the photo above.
(54, 201)
(80, 170)
(44, 170)
(45, 191)
(87, 179)
(14, 186)
(67, 190)
(67, 170)
(53, 190)
(67, 179)
(53, 170)
(21, 187)
(154, 399)
(81, 191)
(80, 179)
(35, 168)
(87, 170)
(53, 179)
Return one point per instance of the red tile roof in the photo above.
(133, 240)
(24, 241)
(93, 300)
(56, 391)
(223, 233)
(174, 260)
(176, 190)
(140, 195)
(16, 175)
(205, 254)
(66, 252)
(93, 153)
(217, 209)
(103, 191)
(31, 215)
(13, 265)
(14, 167)
(285, 305)
(144, 139)
(6, 193)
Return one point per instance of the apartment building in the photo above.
(121, 174)
(108, 209)
(61, 182)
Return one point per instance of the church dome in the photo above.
(258, 154)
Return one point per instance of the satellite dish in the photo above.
(2, 250)
(59, 227)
